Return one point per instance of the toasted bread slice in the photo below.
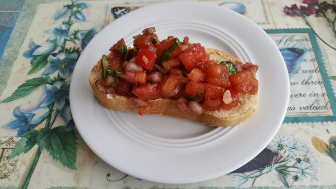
(169, 107)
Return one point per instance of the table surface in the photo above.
(33, 118)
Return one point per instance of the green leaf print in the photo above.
(26, 143)
(27, 87)
(39, 63)
(61, 145)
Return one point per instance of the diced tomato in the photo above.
(178, 72)
(170, 85)
(239, 65)
(165, 44)
(244, 82)
(146, 59)
(197, 75)
(218, 74)
(210, 62)
(180, 94)
(141, 77)
(146, 92)
(250, 67)
(192, 88)
(115, 64)
(193, 56)
(235, 100)
(202, 67)
(211, 104)
(144, 110)
(123, 88)
(171, 63)
(212, 91)
(175, 53)
(115, 47)
(145, 42)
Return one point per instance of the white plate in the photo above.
(169, 150)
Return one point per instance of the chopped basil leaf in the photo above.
(154, 41)
(106, 68)
(231, 67)
(168, 51)
(114, 73)
(197, 96)
(122, 49)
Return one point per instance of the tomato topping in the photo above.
(193, 56)
(115, 64)
(146, 59)
(141, 77)
(144, 110)
(218, 74)
(144, 42)
(177, 70)
(234, 98)
(170, 85)
(211, 104)
(116, 49)
(197, 75)
(239, 65)
(123, 88)
(165, 44)
(244, 82)
(250, 67)
(212, 91)
(192, 88)
(146, 92)
(171, 63)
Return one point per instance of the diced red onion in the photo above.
(184, 47)
(182, 106)
(133, 60)
(128, 79)
(196, 107)
(158, 67)
(132, 67)
(129, 74)
(155, 77)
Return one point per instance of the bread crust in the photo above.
(169, 107)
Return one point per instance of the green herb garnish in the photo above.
(122, 49)
(106, 68)
(197, 96)
(168, 51)
(114, 73)
(154, 41)
(231, 67)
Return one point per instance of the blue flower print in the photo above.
(87, 37)
(77, 12)
(60, 33)
(58, 93)
(35, 50)
(45, 48)
(63, 62)
(70, 125)
(79, 17)
(29, 53)
(62, 12)
(82, 5)
(22, 121)
(65, 113)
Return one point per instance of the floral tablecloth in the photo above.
(39, 144)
